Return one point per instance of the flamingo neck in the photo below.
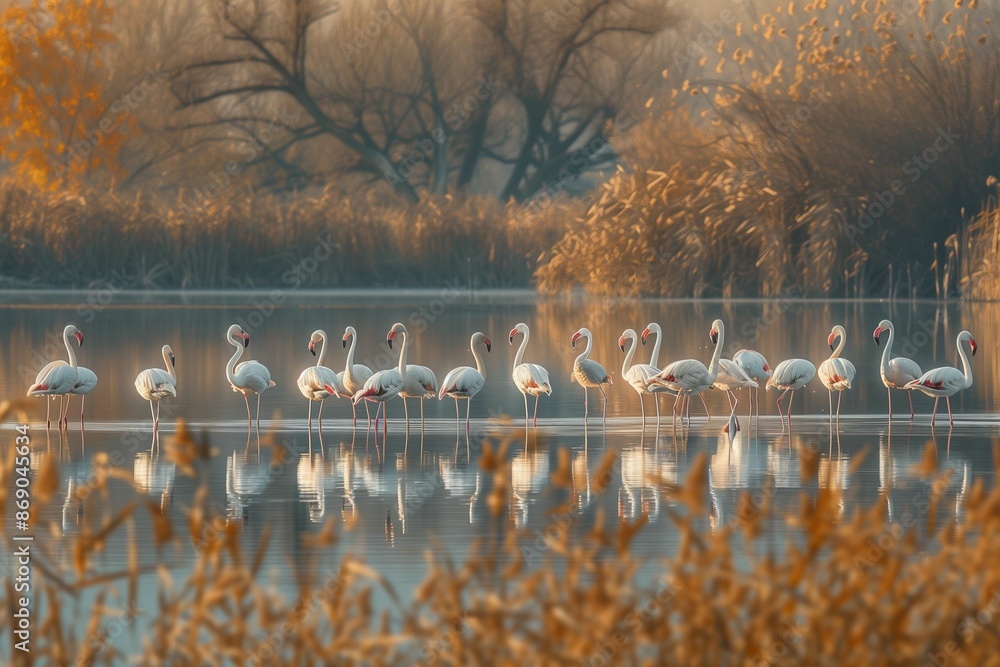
(627, 364)
(475, 355)
(887, 351)
(520, 350)
(169, 366)
(655, 357)
(966, 366)
(713, 366)
(402, 355)
(586, 351)
(231, 366)
(69, 348)
(322, 351)
(350, 352)
(840, 345)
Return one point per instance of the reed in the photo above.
(858, 589)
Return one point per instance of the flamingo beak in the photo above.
(512, 333)
(79, 337)
(345, 340)
(246, 338)
(714, 335)
(312, 347)
(489, 344)
(173, 361)
(621, 344)
(876, 334)
(645, 335)
(389, 338)
(972, 344)
(576, 337)
(830, 339)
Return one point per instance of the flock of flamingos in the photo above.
(680, 379)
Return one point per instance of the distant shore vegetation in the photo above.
(827, 149)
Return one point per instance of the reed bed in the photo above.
(851, 590)
(252, 238)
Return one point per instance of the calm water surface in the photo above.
(422, 490)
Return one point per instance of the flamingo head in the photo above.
(621, 342)
(348, 332)
(317, 337)
(878, 332)
(169, 354)
(578, 335)
(714, 335)
(79, 337)
(76, 333)
(488, 343)
(236, 332)
(972, 344)
(395, 331)
(173, 360)
(831, 339)
(520, 328)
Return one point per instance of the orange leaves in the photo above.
(51, 90)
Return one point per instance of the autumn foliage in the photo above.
(58, 125)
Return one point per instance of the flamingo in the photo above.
(689, 376)
(731, 376)
(588, 372)
(316, 381)
(250, 377)
(836, 373)
(896, 373)
(418, 382)
(528, 378)
(638, 375)
(86, 380)
(755, 366)
(465, 382)
(947, 381)
(354, 376)
(58, 378)
(654, 358)
(384, 385)
(154, 384)
(788, 376)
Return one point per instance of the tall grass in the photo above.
(255, 239)
(980, 267)
(860, 589)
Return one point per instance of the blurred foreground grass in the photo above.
(851, 590)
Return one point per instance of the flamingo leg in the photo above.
(830, 392)
(790, 400)
(157, 425)
(951, 420)
(246, 399)
(319, 418)
(354, 412)
(468, 406)
(153, 415)
(934, 412)
(642, 406)
(406, 412)
(604, 417)
(839, 399)
(377, 409)
(309, 421)
(534, 421)
(707, 413)
(525, 395)
(83, 404)
(586, 408)
(889, 393)
(367, 412)
(909, 395)
(780, 413)
(258, 413)
(458, 418)
(421, 414)
(48, 408)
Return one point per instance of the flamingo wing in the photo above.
(732, 376)
(154, 384)
(532, 379)
(314, 380)
(86, 380)
(900, 371)
(589, 372)
(60, 379)
(837, 374)
(754, 363)
(943, 381)
(462, 382)
(420, 382)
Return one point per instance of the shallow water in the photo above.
(422, 490)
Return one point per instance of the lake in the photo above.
(421, 489)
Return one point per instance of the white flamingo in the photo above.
(250, 377)
(465, 382)
(755, 366)
(58, 378)
(354, 376)
(690, 377)
(898, 372)
(730, 377)
(790, 375)
(836, 373)
(528, 378)
(384, 385)
(638, 375)
(418, 382)
(86, 380)
(654, 360)
(316, 381)
(154, 384)
(947, 381)
(588, 373)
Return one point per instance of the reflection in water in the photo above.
(246, 477)
(154, 476)
(529, 475)
(461, 482)
(315, 476)
(644, 472)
